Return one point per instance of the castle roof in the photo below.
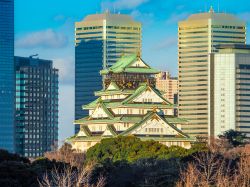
(130, 64)
(129, 100)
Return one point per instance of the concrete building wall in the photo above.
(231, 78)
(167, 84)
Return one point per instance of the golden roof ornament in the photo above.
(138, 55)
(211, 10)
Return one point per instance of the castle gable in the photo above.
(101, 112)
(112, 86)
(154, 125)
(84, 132)
(109, 131)
(146, 94)
(138, 63)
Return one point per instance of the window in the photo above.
(147, 100)
(129, 111)
(141, 111)
(126, 125)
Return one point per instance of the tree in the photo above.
(68, 155)
(143, 172)
(213, 169)
(235, 138)
(131, 149)
(6, 156)
(70, 177)
(16, 173)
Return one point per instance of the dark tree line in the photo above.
(130, 162)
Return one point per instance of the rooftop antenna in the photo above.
(36, 55)
(218, 6)
(211, 10)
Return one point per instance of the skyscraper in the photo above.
(231, 85)
(36, 106)
(197, 37)
(7, 84)
(100, 40)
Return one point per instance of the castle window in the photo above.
(147, 100)
(141, 111)
(126, 125)
(129, 110)
(119, 111)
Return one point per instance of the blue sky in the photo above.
(46, 27)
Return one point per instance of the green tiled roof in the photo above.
(86, 130)
(127, 119)
(144, 138)
(126, 102)
(109, 92)
(115, 104)
(122, 118)
(111, 128)
(123, 65)
(93, 104)
(110, 115)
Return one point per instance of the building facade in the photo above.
(197, 38)
(167, 84)
(130, 105)
(231, 86)
(36, 106)
(7, 77)
(100, 39)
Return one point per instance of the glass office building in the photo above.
(100, 40)
(36, 106)
(198, 36)
(7, 84)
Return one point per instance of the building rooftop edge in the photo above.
(109, 16)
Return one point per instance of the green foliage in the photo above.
(17, 171)
(235, 138)
(6, 156)
(199, 146)
(128, 161)
(131, 149)
(42, 165)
